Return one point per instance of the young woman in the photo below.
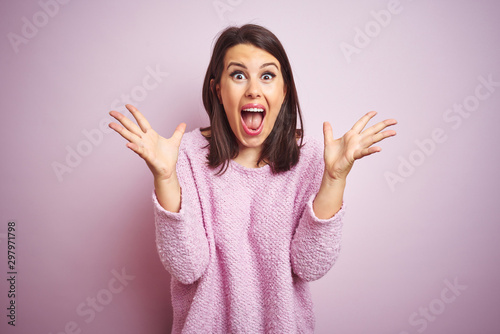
(248, 210)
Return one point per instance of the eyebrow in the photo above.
(241, 65)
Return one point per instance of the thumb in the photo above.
(178, 133)
(327, 132)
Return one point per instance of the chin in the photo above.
(255, 141)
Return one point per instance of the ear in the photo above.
(217, 89)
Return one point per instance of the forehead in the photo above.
(249, 55)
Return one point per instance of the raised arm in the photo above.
(317, 240)
(160, 154)
(180, 234)
(340, 155)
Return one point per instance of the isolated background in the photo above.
(402, 241)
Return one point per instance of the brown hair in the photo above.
(280, 149)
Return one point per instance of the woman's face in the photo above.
(252, 91)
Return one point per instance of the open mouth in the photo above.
(252, 118)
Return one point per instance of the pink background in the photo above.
(404, 242)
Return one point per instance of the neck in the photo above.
(248, 157)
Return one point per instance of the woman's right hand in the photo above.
(159, 153)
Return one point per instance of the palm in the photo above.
(356, 143)
(159, 153)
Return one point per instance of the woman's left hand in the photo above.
(341, 153)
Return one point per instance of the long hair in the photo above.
(280, 149)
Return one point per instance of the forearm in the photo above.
(181, 240)
(330, 197)
(168, 193)
(316, 243)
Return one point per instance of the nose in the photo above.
(253, 89)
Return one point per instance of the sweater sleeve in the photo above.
(180, 236)
(316, 243)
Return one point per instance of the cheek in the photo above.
(276, 92)
(277, 99)
(229, 96)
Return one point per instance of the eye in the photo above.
(268, 76)
(238, 75)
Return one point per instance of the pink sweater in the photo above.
(244, 245)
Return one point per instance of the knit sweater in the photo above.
(245, 244)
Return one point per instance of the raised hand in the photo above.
(159, 153)
(356, 143)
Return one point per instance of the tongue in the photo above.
(252, 119)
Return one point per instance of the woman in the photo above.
(248, 210)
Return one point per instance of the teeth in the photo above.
(254, 110)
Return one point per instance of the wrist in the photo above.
(165, 180)
(168, 192)
(329, 198)
(333, 181)
(167, 185)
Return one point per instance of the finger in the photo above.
(382, 135)
(361, 123)
(379, 127)
(123, 132)
(327, 133)
(136, 148)
(139, 117)
(367, 151)
(178, 133)
(128, 124)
